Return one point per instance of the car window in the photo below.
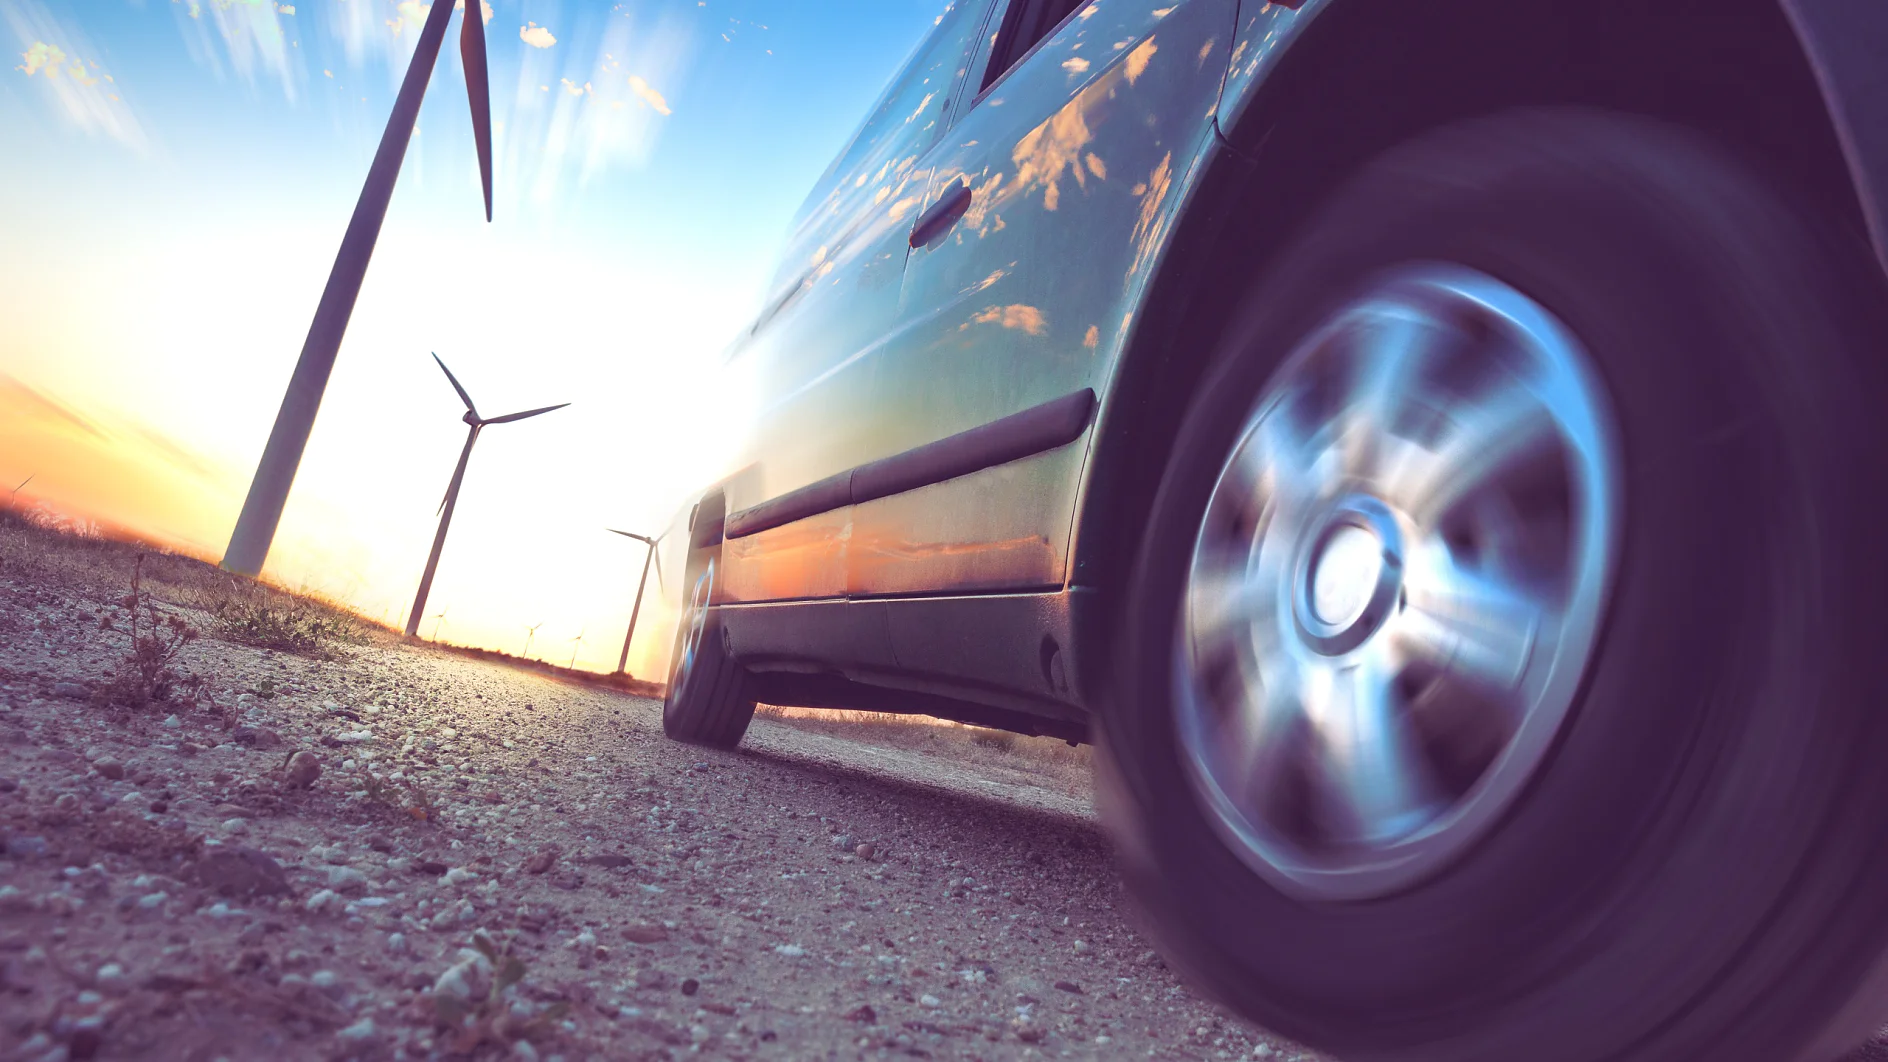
(1025, 25)
(908, 114)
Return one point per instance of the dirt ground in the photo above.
(401, 852)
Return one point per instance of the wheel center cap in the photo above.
(1350, 578)
(1346, 569)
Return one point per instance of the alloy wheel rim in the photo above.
(1396, 585)
(696, 617)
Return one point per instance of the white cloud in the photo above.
(63, 66)
(648, 95)
(536, 36)
(485, 8)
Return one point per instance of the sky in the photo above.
(176, 179)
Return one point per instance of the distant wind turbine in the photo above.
(275, 473)
(622, 662)
(438, 621)
(530, 633)
(575, 648)
(22, 486)
(476, 424)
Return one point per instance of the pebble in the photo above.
(153, 901)
(863, 1013)
(303, 768)
(13, 900)
(27, 847)
(112, 978)
(645, 934)
(109, 767)
(241, 871)
(460, 875)
(864, 851)
(70, 690)
(539, 861)
(522, 1050)
(791, 951)
(359, 1032)
(396, 943)
(322, 901)
(346, 879)
(256, 737)
(336, 854)
(171, 722)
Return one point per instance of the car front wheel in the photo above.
(1495, 673)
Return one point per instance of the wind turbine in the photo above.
(530, 633)
(438, 620)
(21, 487)
(476, 424)
(622, 662)
(576, 647)
(275, 473)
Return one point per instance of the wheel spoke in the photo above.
(1222, 605)
(1394, 349)
(1372, 776)
(1487, 440)
(1470, 624)
(1261, 741)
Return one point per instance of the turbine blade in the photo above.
(463, 397)
(509, 417)
(630, 534)
(478, 89)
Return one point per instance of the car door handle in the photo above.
(943, 214)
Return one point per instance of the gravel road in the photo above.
(172, 889)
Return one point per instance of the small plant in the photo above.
(994, 739)
(295, 626)
(379, 789)
(146, 675)
(494, 1018)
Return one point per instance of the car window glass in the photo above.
(1025, 24)
(906, 118)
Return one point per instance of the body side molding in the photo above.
(1054, 423)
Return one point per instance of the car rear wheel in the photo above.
(707, 701)
(1494, 678)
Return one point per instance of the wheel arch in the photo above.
(1382, 71)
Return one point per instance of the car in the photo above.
(1429, 448)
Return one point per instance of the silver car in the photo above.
(1430, 448)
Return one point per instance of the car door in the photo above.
(1062, 169)
(811, 356)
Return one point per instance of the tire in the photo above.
(707, 702)
(1690, 866)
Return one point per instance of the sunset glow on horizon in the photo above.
(179, 178)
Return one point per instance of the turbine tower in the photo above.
(275, 473)
(622, 662)
(475, 425)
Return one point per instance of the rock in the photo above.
(14, 901)
(432, 867)
(461, 875)
(863, 1014)
(608, 860)
(323, 901)
(541, 860)
(109, 767)
(864, 851)
(27, 847)
(354, 737)
(523, 1051)
(931, 1002)
(791, 951)
(396, 943)
(8, 785)
(112, 978)
(241, 871)
(303, 768)
(346, 879)
(360, 1032)
(58, 755)
(1081, 947)
(645, 934)
(469, 980)
(1030, 1034)
(71, 691)
(1068, 986)
(171, 722)
(334, 853)
(256, 737)
(153, 902)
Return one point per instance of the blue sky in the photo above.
(177, 179)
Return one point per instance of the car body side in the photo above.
(882, 549)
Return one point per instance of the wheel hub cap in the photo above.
(1396, 584)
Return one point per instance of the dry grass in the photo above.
(88, 560)
(1055, 758)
